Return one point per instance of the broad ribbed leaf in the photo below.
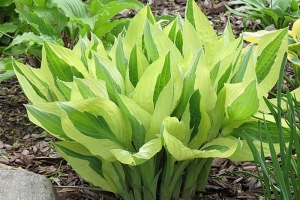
(163, 78)
(136, 27)
(191, 40)
(106, 71)
(77, 11)
(121, 60)
(241, 101)
(151, 48)
(207, 35)
(62, 63)
(179, 129)
(96, 146)
(47, 116)
(171, 30)
(29, 37)
(158, 44)
(103, 120)
(144, 91)
(206, 88)
(65, 88)
(109, 9)
(7, 28)
(220, 147)
(86, 164)
(147, 151)
(294, 58)
(224, 78)
(47, 21)
(268, 59)
(133, 67)
(139, 119)
(227, 36)
(88, 88)
(188, 85)
(33, 81)
(37, 23)
(296, 31)
(163, 109)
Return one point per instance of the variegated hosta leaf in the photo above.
(88, 88)
(296, 31)
(268, 59)
(208, 36)
(147, 151)
(254, 37)
(220, 147)
(136, 27)
(139, 119)
(294, 57)
(90, 167)
(241, 103)
(33, 83)
(47, 116)
(99, 128)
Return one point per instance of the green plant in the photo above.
(280, 177)
(145, 119)
(63, 21)
(270, 12)
(56, 21)
(293, 49)
(6, 69)
(7, 16)
(7, 29)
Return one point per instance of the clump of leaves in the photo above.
(293, 49)
(270, 12)
(57, 21)
(7, 26)
(145, 119)
(280, 177)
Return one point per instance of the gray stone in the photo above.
(18, 184)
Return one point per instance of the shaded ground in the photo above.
(25, 145)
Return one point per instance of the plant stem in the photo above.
(147, 171)
(165, 190)
(136, 183)
(179, 173)
(196, 175)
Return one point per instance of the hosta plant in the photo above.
(270, 12)
(294, 50)
(63, 21)
(26, 24)
(146, 119)
(293, 47)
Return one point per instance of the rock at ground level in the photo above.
(18, 184)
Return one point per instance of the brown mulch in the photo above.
(25, 145)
